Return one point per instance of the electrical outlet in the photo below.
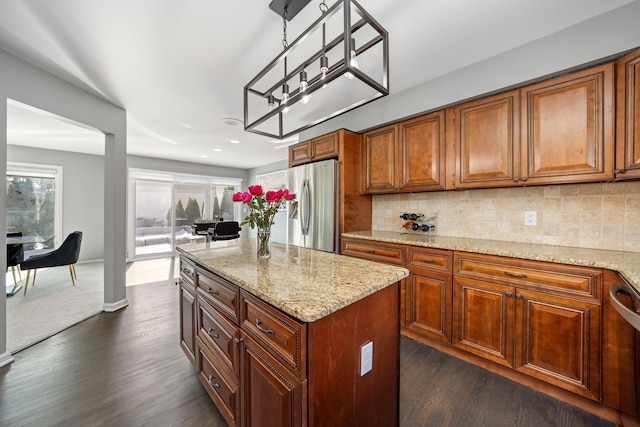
(366, 358)
(530, 218)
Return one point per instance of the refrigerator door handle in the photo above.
(305, 208)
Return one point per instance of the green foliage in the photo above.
(192, 211)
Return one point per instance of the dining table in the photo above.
(27, 239)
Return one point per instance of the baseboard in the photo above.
(5, 358)
(111, 307)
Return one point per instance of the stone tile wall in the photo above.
(602, 216)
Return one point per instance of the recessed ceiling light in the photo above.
(217, 149)
(234, 141)
(232, 121)
(204, 156)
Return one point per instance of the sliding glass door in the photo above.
(166, 206)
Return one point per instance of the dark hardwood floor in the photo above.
(127, 369)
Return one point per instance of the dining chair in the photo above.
(67, 254)
(15, 255)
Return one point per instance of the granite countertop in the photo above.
(304, 283)
(625, 263)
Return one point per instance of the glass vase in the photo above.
(264, 243)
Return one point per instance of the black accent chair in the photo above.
(224, 230)
(15, 255)
(66, 254)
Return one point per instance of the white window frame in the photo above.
(47, 171)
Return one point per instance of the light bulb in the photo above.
(271, 102)
(285, 97)
(304, 84)
(353, 60)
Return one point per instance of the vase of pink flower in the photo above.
(262, 209)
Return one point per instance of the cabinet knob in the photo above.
(519, 296)
(509, 294)
(516, 179)
(212, 333)
(237, 341)
(523, 179)
(617, 171)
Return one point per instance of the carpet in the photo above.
(53, 304)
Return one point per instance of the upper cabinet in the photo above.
(486, 137)
(406, 157)
(628, 117)
(320, 148)
(568, 128)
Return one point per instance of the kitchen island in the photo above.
(304, 338)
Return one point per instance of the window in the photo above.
(34, 201)
(166, 205)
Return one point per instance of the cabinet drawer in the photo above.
(220, 293)
(559, 278)
(374, 251)
(218, 334)
(282, 336)
(188, 272)
(430, 259)
(222, 390)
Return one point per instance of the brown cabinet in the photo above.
(567, 128)
(187, 310)
(428, 294)
(405, 157)
(628, 117)
(557, 131)
(539, 318)
(261, 367)
(486, 137)
(320, 148)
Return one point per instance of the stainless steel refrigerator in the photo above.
(313, 212)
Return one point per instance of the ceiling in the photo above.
(179, 67)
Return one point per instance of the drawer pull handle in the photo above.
(212, 333)
(370, 251)
(211, 383)
(212, 291)
(523, 276)
(427, 260)
(186, 271)
(509, 294)
(260, 328)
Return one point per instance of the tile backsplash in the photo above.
(602, 216)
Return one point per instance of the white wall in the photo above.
(597, 38)
(29, 85)
(82, 191)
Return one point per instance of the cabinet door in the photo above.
(300, 153)
(272, 396)
(325, 147)
(428, 302)
(381, 166)
(558, 341)
(567, 126)
(422, 153)
(487, 141)
(628, 117)
(483, 319)
(187, 322)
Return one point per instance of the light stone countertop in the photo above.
(625, 263)
(304, 283)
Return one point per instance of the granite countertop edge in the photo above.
(626, 263)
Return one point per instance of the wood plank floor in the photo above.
(127, 369)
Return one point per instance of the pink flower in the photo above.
(246, 197)
(271, 197)
(255, 190)
(237, 197)
(279, 194)
(287, 195)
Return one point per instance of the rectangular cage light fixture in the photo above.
(304, 84)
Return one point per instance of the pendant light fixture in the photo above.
(279, 104)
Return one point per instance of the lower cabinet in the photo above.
(537, 322)
(261, 367)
